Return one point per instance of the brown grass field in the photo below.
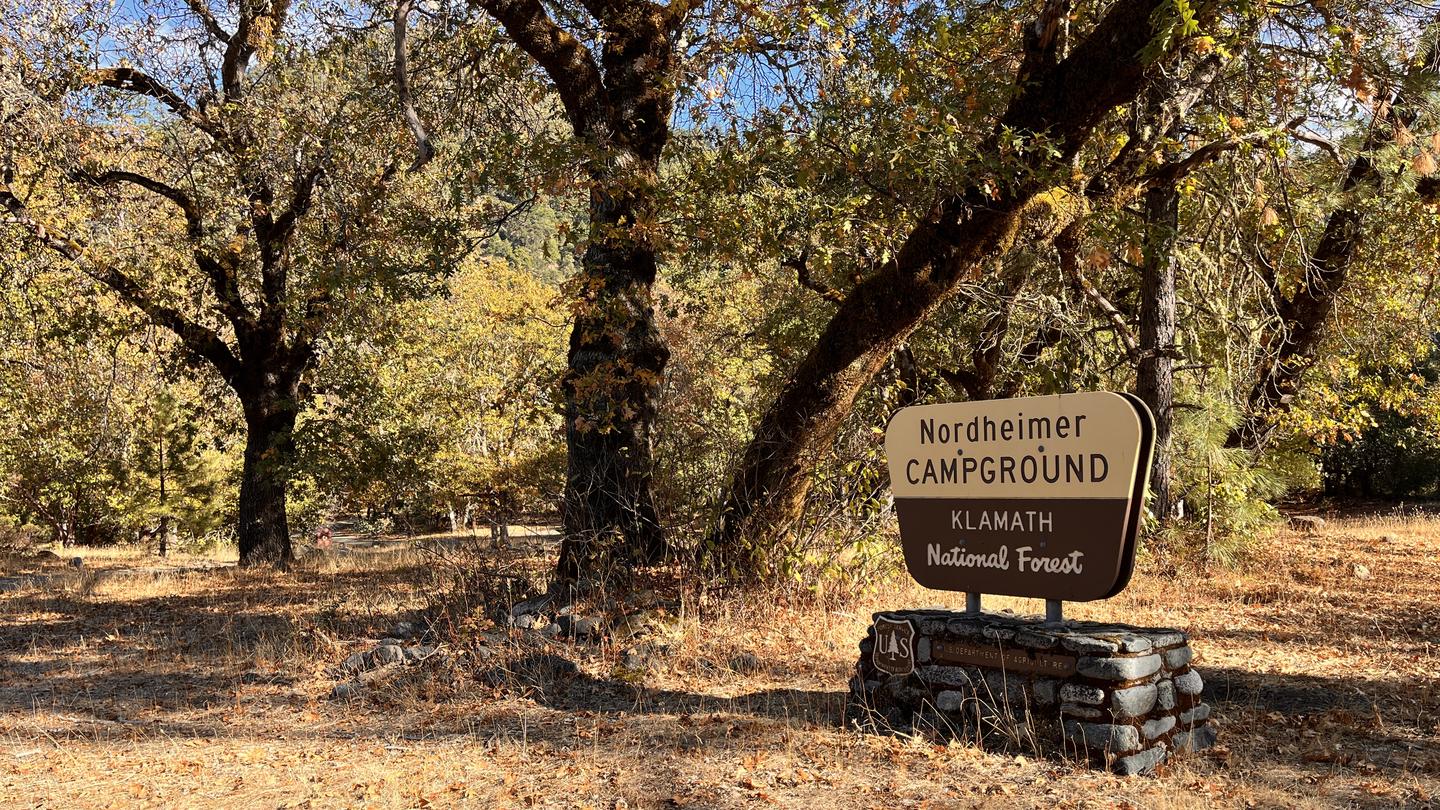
(211, 689)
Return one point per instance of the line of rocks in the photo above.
(364, 669)
(639, 633)
(563, 624)
(642, 637)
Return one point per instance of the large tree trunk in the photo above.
(264, 527)
(1066, 99)
(612, 386)
(619, 106)
(1155, 379)
(766, 496)
(164, 529)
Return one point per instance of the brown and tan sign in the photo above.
(1038, 496)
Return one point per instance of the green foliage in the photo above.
(176, 471)
(447, 403)
(1396, 454)
(94, 414)
(1228, 495)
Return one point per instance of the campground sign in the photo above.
(1039, 496)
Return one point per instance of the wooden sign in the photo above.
(1039, 496)
(894, 646)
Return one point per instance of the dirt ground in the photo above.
(210, 687)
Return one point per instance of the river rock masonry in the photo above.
(1126, 697)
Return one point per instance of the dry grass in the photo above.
(209, 688)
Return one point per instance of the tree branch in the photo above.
(131, 80)
(1315, 140)
(569, 64)
(964, 381)
(197, 339)
(604, 11)
(1044, 40)
(194, 225)
(424, 151)
(55, 240)
(1176, 170)
(300, 201)
(223, 277)
(225, 281)
(1295, 339)
(1068, 244)
(1046, 336)
(201, 9)
(274, 237)
(801, 266)
(248, 37)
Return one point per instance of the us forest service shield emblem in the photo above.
(894, 646)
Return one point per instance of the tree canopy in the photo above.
(662, 272)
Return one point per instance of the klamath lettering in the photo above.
(1002, 520)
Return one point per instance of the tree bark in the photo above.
(1155, 374)
(264, 526)
(619, 107)
(1065, 99)
(164, 500)
(612, 385)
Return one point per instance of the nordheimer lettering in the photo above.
(987, 429)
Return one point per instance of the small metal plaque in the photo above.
(1010, 659)
(894, 646)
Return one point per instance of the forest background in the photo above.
(661, 274)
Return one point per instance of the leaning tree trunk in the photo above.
(1304, 316)
(264, 528)
(1155, 378)
(1064, 98)
(612, 386)
(767, 494)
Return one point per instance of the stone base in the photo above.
(1125, 697)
